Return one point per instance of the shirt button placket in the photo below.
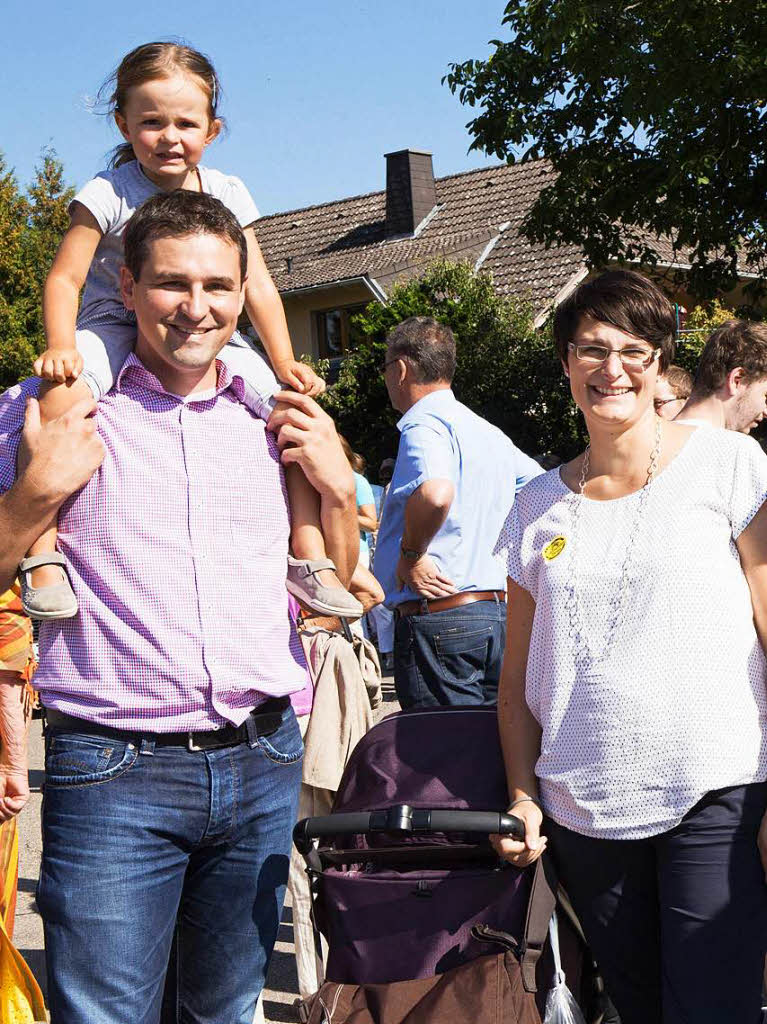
(200, 518)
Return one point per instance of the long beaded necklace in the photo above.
(582, 648)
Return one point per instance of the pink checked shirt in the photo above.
(177, 553)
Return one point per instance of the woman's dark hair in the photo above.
(178, 214)
(623, 299)
(147, 63)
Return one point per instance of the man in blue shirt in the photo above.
(454, 482)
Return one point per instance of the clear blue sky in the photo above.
(314, 92)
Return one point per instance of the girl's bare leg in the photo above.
(319, 590)
(306, 540)
(55, 399)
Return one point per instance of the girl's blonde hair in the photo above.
(147, 63)
(356, 461)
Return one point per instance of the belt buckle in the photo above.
(191, 744)
(424, 606)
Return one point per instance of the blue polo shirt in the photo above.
(443, 439)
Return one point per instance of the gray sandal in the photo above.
(303, 584)
(56, 601)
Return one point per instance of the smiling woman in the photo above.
(632, 705)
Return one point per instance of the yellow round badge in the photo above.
(553, 548)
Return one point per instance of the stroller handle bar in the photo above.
(402, 818)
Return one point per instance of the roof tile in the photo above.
(335, 241)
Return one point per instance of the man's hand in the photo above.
(59, 458)
(423, 577)
(14, 790)
(307, 437)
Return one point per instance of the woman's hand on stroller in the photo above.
(516, 852)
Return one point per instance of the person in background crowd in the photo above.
(454, 478)
(632, 709)
(672, 389)
(366, 506)
(168, 704)
(381, 616)
(385, 471)
(730, 387)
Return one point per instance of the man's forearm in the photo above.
(425, 511)
(13, 725)
(14, 778)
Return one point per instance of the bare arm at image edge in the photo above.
(14, 779)
(752, 548)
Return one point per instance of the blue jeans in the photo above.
(143, 841)
(450, 658)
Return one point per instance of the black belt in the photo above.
(266, 719)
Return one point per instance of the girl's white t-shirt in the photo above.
(678, 707)
(113, 197)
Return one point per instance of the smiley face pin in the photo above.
(553, 548)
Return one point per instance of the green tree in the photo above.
(653, 114)
(507, 370)
(31, 227)
(701, 321)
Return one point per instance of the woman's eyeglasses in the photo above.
(633, 357)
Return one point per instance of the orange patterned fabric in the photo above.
(16, 652)
(21, 1001)
(9, 873)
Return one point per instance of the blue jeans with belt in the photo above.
(451, 657)
(144, 842)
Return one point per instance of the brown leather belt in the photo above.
(443, 604)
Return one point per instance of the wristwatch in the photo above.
(410, 553)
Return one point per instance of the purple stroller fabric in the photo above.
(407, 911)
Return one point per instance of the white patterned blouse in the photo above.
(676, 707)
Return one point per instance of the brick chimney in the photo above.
(410, 191)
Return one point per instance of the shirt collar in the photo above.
(134, 369)
(434, 400)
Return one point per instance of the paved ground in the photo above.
(282, 988)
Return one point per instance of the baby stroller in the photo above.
(423, 922)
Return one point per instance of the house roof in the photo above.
(478, 217)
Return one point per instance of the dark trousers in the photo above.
(677, 922)
(451, 657)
